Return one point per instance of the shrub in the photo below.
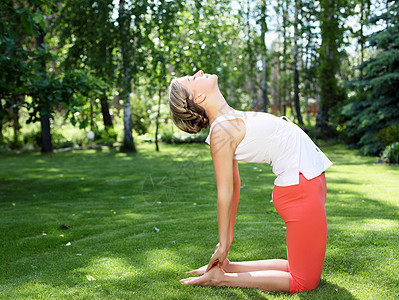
(59, 141)
(106, 136)
(184, 138)
(391, 154)
(4, 148)
(389, 135)
(33, 138)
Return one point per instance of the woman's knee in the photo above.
(303, 285)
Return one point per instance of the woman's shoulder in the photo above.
(228, 131)
(228, 128)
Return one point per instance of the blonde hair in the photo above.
(186, 114)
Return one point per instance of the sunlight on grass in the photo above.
(379, 225)
(106, 268)
(163, 260)
(139, 221)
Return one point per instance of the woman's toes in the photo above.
(191, 280)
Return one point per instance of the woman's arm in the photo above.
(236, 196)
(222, 150)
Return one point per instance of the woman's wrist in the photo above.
(224, 247)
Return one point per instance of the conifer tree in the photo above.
(375, 106)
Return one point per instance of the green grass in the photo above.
(117, 202)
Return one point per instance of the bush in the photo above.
(59, 141)
(389, 135)
(106, 136)
(33, 138)
(4, 148)
(391, 154)
(184, 138)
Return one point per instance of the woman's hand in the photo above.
(202, 270)
(218, 256)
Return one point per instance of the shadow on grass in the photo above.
(139, 221)
(329, 291)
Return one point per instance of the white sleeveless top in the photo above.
(278, 142)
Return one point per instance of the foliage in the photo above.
(375, 105)
(388, 135)
(211, 38)
(58, 140)
(106, 137)
(391, 154)
(176, 138)
(87, 39)
(331, 93)
(70, 90)
(33, 138)
(140, 116)
(26, 78)
(74, 55)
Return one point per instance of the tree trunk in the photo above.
(265, 100)
(124, 24)
(105, 111)
(284, 73)
(295, 65)
(15, 122)
(157, 119)
(331, 94)
(128, 143)
(91, 115)
(361, 35)
(2, 113)
(364, 14)
(307, 83)
(250, 61)
(47, 145)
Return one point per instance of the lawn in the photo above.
(139, 221)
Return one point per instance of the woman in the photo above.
(299, 193)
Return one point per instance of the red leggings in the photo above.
(302, 208)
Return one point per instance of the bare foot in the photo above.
(213, 277)
(202, 270)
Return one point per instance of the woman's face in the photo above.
(199, 83)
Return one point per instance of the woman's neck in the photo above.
(217, 107)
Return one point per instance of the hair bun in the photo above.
(186, 114)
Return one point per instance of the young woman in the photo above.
(299, 193)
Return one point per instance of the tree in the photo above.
(87, 32)
(331, 93)
(262, 21)
(251, 57)
(375, 105)
(308, 74)
(133, 31)
(164, 25)
(295, 63)
(283, 6)
(16, 25)
(27, 77)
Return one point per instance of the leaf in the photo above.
(65, 226)
(38, 17)
(90, 278)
